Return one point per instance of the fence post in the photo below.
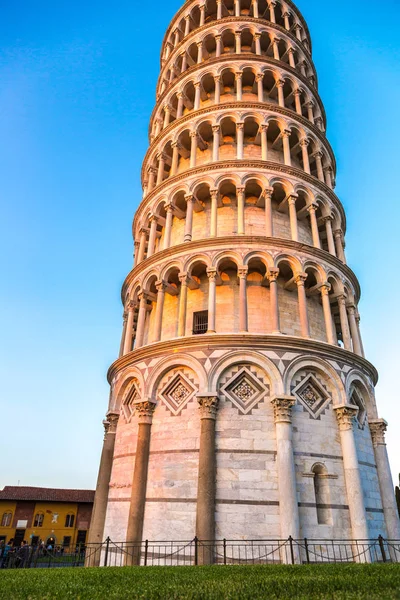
(291, 549)
(224, 551)
(146, 550)
(107, 549)
(307, 552)
(382, 547)
(196, 551)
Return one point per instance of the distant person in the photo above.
(23, 555)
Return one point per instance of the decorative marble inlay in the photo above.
(131, 396)
(310, 393)
(177, 393)
(357, 400)
(244, 390)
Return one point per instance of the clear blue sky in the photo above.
(77, 89)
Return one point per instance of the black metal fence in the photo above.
(198, 552)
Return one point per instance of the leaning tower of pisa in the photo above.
(241, 404)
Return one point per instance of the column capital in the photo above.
(130, 305)
(304, 142)
(257, 36)
(214, 193)
(267, 192)
(240, 190)
(297, 92)
(341, 298)
(272, 274)
(208, 406)
(166, 107)
(242, 272)
(145, 411)
(325, 288)
(194, 134)
(291, 50)
(189, 198)
(260, 77)
(110, 423)
(310, 104)
(238, 33)
(285, 133)
(161, 285)
(184, 278)
(217, 78)
(300, 278)
(238, 75)
(153, 218)
(280, 83)
(283, 408)
(292, 198)
(161, 156)
(351, 307)
(345, 415)
(196, 84)
(169, 208)
(338, 233)
(378, 429)
(218, 37)
(312, 208)
(212, 274)
(328, 218)
(200, 43)
(216, 128)
(317, 154)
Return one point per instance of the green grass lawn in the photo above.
(205, 583)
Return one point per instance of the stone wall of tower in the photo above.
(260, 421)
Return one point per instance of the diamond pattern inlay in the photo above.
(244, 390)
(128, 403)
(312, 395)
(177, 393)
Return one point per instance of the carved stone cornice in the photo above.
(246, 242)
(208, 406)
(283, 408)
(229, 106)
(232, 19)
(378, 429)
(237, 166)
(345, 415)
(243, 341)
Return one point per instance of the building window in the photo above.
(69, 520)
(66, 541)
(38, 521)
(200, 322)
(322, 495)
(6, 519)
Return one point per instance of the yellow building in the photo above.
(56, 517)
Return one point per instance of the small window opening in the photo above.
(200, 322)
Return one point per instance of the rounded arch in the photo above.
(168, 363)
(356, 380)
(197, 258)
(252, 357)
(264, 257)
(311, 362)
(123, 384)
(227, 254)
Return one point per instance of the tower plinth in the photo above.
(246, 405)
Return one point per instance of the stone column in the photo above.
(264, 141)
(182, 305)
(272, 276)
(293, 217)
(184, 62)
(272, 11)
(344, 322)
(331, 243)
(306, 161)
(257, 38)
(239, 88)
(300, 281)
(269, 226)
(328, 177)
(187, 25)
(152, 179)
(255, 9)
(212, 297)
(96, 531)
(338, 234)
(197, 95)
(216, 132)
(167, 114)
(260, 86)
(281, 98)
(312, 209)
(288, 503)
(238, 42)
(168, 225)
(275, 46)
(351, 311)
(199, 52)
(152, 236)
(135, 254)
(318, 161)
(286, 147)
(123, 336)
(286, 20)
(243, 316)
(240, 203)
(134, 534)
(237, 8)
(345, 415)
(378, 429)
(239, 141)
(202, 15)
(129, 328)
(217, 80)
(218, 49)
(292, 62)
(160, 285)
(219, 9)
(142, 245)
(193, 149)
(326, 305)
(297, 101)
(189, 218)
(214, 213)
(175, 158)
(205, 518)
(297, 28)
(359, 333)
(310, 109)
(141, 320)
(161, 167)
